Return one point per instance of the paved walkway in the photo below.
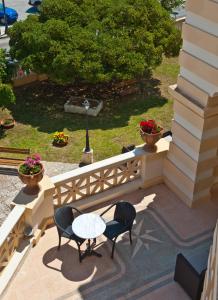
(10, 185)
(144, 271)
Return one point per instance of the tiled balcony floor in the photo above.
(164, 227)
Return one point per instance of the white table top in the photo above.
(88, 226)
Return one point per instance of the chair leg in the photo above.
(113, 247)
(59, 244)
(130, 236)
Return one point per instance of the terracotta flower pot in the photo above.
(31, 181)
(9, 125)
(60, 144)
(150, 138)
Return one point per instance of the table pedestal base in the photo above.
(90, 250)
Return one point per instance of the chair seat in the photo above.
(114, 228)
(70, 234)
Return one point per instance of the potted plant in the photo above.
(31, 173)
(150, 132)
(7, 123)
(60, 139)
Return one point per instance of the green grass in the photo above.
(39, 115)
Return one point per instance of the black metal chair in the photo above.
(63, 219)
(128, 148)
(124, 217)
(190, 275)
(167, 133)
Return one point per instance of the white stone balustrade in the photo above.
(11, 232)
(111, 177)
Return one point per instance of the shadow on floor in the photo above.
(66, 261)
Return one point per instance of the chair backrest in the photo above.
(63, 217)
(125, 213)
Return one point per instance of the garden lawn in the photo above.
(39, 115)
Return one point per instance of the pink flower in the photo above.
(30, 162)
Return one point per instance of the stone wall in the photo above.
(191, 165)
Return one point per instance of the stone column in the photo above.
(191, 165)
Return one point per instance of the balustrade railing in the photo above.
(98, 177)
(11, 232)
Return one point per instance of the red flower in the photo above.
(143, 123)
(150, 126)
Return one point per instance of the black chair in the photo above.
(124, 217)
(128, 148)
(167, 133)
(63, 219)
(190, 275)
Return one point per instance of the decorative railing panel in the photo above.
(97, 178)
(11, 232)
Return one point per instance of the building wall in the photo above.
(191, 166)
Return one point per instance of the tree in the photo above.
(95, 41)
(6, 93)
(169, 5)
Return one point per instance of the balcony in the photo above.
(164, 227)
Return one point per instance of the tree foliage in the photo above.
(6, 95)
(95, 41)
(6, 92)
(3, 66)
(169, 5)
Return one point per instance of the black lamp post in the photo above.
(5, 17)
(86, 104)
(175, 13)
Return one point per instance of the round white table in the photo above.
(89, 226)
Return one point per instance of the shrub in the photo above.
(95, 41)
(6, 95)
(6, 92)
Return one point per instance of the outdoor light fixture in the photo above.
(86, 104)
(175, 14)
